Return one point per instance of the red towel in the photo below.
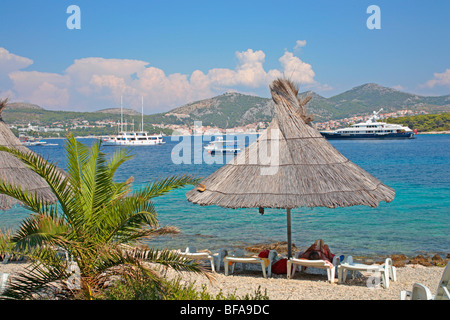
(280, 267)
(264, 254)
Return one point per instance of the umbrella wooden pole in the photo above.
(289, 240)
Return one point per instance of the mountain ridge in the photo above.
(118, 110)
(360, 100)
(233, 109)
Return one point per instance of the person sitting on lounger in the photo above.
(318, 251)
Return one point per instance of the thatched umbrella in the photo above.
(309, 171)
(13, 171)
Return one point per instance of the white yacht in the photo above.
(222, 146)
(371, 129)
(133, 138)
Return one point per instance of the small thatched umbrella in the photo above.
(309, 171)
(13, 171)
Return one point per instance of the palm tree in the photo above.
(94, 222)
(3, 103)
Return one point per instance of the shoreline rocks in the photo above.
(398, 260)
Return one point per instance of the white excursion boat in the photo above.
(222, 146)
(133, 138)
(371, 129)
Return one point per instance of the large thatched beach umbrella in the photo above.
(13, 171)
(303, 169)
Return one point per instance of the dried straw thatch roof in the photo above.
(15, 172)
(309, 172)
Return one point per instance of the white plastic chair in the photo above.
(191, 253)
(292, 264)
(218, 258)
(6, 258)
(387, 270)
(421, 292)
(238, 257)
(3, 282)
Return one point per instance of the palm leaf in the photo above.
(93, 216)
(170, 259)
(31, 201)
(39, 230)
(160, 187)
(56, 180)
(120, 156)
(35, 279)
(127, 217)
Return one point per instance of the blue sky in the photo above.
(176, 52)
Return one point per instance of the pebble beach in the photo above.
(309, 285)
(314, 286)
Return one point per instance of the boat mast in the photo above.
(142, 119)
(121, 115)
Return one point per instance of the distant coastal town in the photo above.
(108, 127)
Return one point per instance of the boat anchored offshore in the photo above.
(222, 146)
(30, 141)
(133, 138)
(371, 129)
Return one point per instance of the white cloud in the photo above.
(249, 72)
(399, 87)
(440, 79)
(10, 63)
(93, 83)
(299, 44)
(322, 87)
(84, 69)
(297, 70)
(42, 88)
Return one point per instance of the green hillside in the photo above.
(225, 111)
(425, 123)
(235, 109)
(371, 97)
(42, 117)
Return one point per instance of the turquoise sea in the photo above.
(417, 221)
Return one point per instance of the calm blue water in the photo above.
(417, 221)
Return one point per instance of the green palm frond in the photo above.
(169, 259)
(39, 230)
(93, 218)
(77, 155)
(120, 156)
(160, 187)
(56, 179)
(123, 263)
(96, 180)
(125, 219)
(29, 200)
(6, 244)
(35, 280)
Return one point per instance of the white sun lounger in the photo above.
(387, 270)
(3, 282)
(239, 258)
(191, 253)
(292, 264)
(421, 292)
